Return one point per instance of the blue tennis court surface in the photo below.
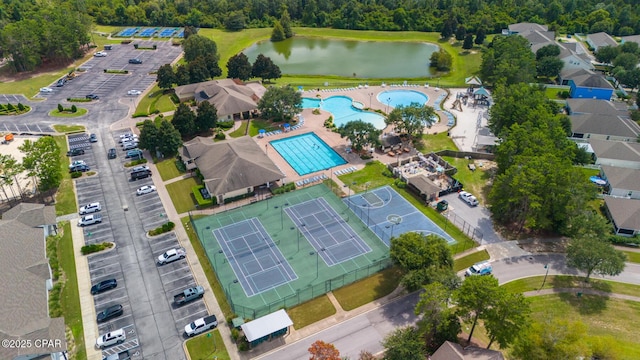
(255, 259)
(127, 32)
(180, 33)
(307, 153)
(165, 33)
(388, 214)
(329, 234)
(148, 32)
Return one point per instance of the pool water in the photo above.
(343, 111)
(307, 153)
(396, 98)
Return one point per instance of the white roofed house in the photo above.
(230, 168)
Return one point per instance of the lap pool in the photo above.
(343, 110)
(396, 98)
(307, 153)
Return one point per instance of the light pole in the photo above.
(235, 281)
(370, 95)
(393, 224)
(282, 216)
(317, 254)
(388, 103)
(368, 209)
(215, 259)
(546, 266)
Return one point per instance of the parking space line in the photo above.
(191, 316)
(181, 280)
(174, 271)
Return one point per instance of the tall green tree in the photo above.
(149, 137)
(198, 46)
(552, 50)
(595, 256)
(285, 21)
(468, 42)
(184, 120)
(507, 318)
(239, 67)
(461, 32)
(475, 297)
(277, 34)
(606, 54)
(165, 76)
(198, 71)
(481, 35)
(360, 134)
(411, 120)
(423, 258)
(626, 61)
(206, 117)
(10, 168)
(553, 337)
(508, 60)
(42, 160)
(235, 21)
(265, 69)
(441, 60)
(170, 139)
(549, 67)
(438, 322)
(404, 344)
(182, 75)
(280, 103)
(211, 61)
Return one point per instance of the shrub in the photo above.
(220, 136)
(162, 229)
(10, 107)
(285, 188)
(235, 334)
(135, 162)
(202, 202)
(20, 107)
(387, 173)
(400, 184)
(60, 108)
(243, 345)
(564, 94)
(1, 107)
(239, 197)
(74, 108)
(76, 174)
(92, 248)
(316, 111)
(225, 124)
(137, 115)
(155, 47)
(135, 46)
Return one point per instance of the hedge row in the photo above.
(89, 249)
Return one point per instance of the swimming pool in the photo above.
(307, 153)
(396, 98)
(343, 111)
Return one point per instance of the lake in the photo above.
(362, 59)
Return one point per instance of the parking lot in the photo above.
(465, 216)
(150, 333)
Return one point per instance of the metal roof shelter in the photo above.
(267, 325)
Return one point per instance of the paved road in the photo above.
(366, 331)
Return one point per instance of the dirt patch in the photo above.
(544, 245)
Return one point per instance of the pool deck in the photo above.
(315, 123)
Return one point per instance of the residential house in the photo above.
(616, 153)
(230, 168)
(590, 86)
(525, 27)
(568, 73)
(605, 127)
(621, 182)
(631, 38)
(599, 40)
(624, 214)
(595, 106)
(26, 282)
(452, 351)
(232, 98)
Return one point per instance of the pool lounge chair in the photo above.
(299, 183)
(323, 177)
(305, 181)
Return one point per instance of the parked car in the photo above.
(92, 97)
(128, 138)
(75, 152)
(139, 168)
(93, 138)
(109, 313)
(129, 145)
(90, 220)
(140, 174)
(100, 54)
(81, 168)
(112, 153)
(481, 268)
(135, 153)
(61, 82)
(111, 338)
(76, 163)
(104, 286)
(145, 190)
(171, 256)
(468, 198)
(46, 89)
(201, 325)
(90, 208)
(135, 61)
(129, 134)
(190, 294)
(134, 92)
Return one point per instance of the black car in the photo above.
(135, 61)
(92, 97)
(103, 286)
(112, 153)
(80, 167)
(75, 152)
(109, 313)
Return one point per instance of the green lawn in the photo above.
(474, 182)
(206, 347)
(70, 299)
(69, 128)
(368, 289)
(311, 311)
(218, 292)
(466, 261)
(368, 178)
(167, 169)
(256, 124)
(552, 93)
(562, 281)
(65, 197)
(154, 100)
(181, 195)
(437, 142)
(241, 131)
(68, 114)
(589, 172)
(633, 256)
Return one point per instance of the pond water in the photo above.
(362, 59)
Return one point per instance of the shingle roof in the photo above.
(622, 178)
(231, 165)
(604, 125)
(619, 150)
(525, 27)
(602, 39)
(453, 351)
(539, 37)
(631, 38)
(625, 213)
(592, 81)
(424, 185)
(229, 96)
(571, 72)
(595, 106)
(23, 285)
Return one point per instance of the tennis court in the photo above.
(165, 33)
(256, 261)
(388, 214)
(147, 32)
(127, 32)
(180, 33)
(266, 259)
(327, 231)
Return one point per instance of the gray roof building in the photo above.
(616, 153)
(525, 27)
(591, 81)
(625, 214)
(230, 166)
(631, 38)
(600, 39)
(621, 178)
(453, 351)
(596, 106)
(610, 126)
(25, 282)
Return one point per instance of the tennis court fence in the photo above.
(310, 292)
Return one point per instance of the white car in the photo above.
(146, 189)
(468, 198)
(90, 208)
(100, 54)
(171, 256)
(76, 163)
(134, 92)
(46, 90)
(111, 338)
